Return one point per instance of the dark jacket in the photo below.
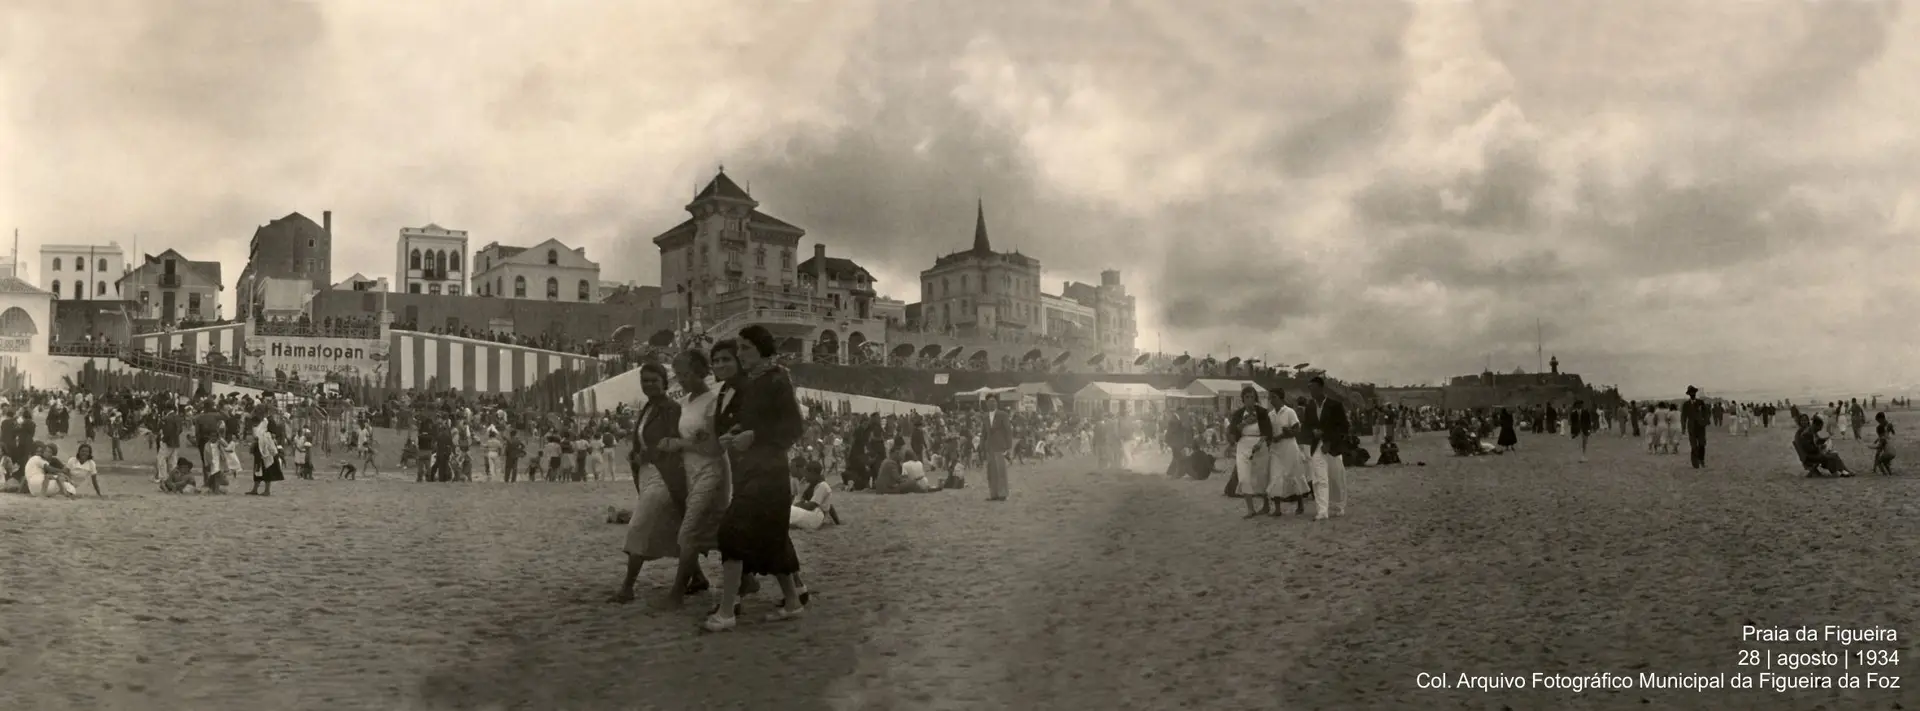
(1324, 426)
(660, 420)
(1239, 420)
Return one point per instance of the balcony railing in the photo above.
(170, 281)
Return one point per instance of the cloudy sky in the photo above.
(1720, 193)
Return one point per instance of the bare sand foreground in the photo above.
(1084, 591)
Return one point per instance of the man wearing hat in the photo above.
(1694, 417)
(998, 440)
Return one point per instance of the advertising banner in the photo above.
(311, 359)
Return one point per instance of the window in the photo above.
(103, 265)
(553, 257)
(145, 297)
(498, 286)
(453, 291)
(586, 292)
(56, 267)
(193, 304)
(309, 267)
(760, 257)
(440, 261)
(79, 290)
(453, 261)
(519, 287)
(786, 259)
(101, 290)
(413, 288)
(433, 289)
(56, 285)
(413, 260)
(553, 289)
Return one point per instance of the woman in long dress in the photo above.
(268, 436)
(1508, 438)
(709, 483)
(754, 539)
(653, 532)
(1249, 429)
(1286, 463)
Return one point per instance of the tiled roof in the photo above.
(722, 187)
(15, 285)
(760, 219)
(837, 268)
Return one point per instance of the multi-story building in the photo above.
(171, 288)
(432, 260)
(980, 291)
(848, 286)
(292, 247)
(82, 271)
(634, 295)
(729, 257)
(1114, 321)
(548, 271)
(1067, 320)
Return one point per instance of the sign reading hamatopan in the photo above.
(313, 358)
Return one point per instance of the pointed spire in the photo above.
(980, 242)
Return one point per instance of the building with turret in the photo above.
(981, 291)
(729, 257)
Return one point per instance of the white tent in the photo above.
(1223, 393)
(1120, 398)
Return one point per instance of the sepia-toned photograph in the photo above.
(941, 354)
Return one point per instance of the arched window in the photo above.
(79, 290)
(103, 265)
(440, 261)
(499, 287)
(553, 289)
(56, 285)
(16, 323)
(453, 261)
(519, 287)
(102, 290)
(56, 267)
(553, 257)
(586, 293)
(413, 260)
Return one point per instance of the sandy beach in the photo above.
(1084, 591)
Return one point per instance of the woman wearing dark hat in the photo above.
(754, 538)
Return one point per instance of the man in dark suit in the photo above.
(1324, 430)
(998, 441)
(1694, 417)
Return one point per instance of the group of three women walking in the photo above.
(714, 475)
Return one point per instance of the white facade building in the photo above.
(548, 271)
(82, 271)
(432, 260)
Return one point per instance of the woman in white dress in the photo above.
(1249, 429)
(1286, 463)
(709, 479)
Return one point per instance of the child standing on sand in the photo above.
(303, 454)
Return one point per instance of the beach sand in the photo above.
(1118, 590)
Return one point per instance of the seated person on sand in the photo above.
(1816, 452)
(43, 470)
(813, 506)
(1356, 456)
(1389, 451)
(11, 478)
(896, 478)
(180, 480)
(81, 471)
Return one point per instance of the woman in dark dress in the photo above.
(761, 420)
(269, 437)
(1507, 436)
